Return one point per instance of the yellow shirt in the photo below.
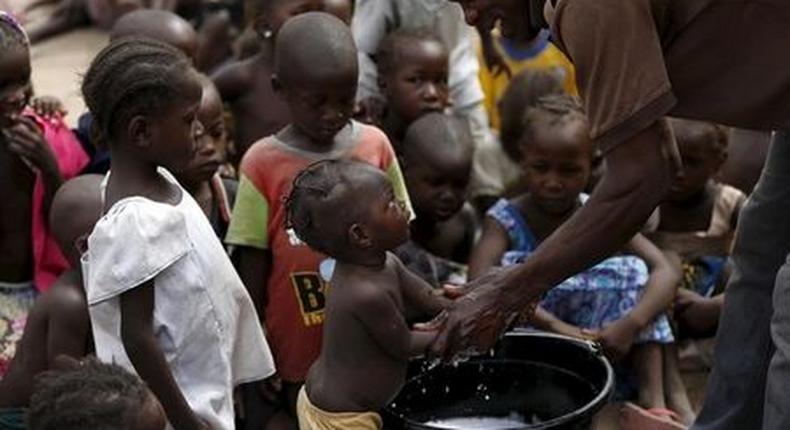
(541, 55)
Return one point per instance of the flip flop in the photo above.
(633, 417)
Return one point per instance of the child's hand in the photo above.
(617, 338)
(48, 107)
(271, 387)
(26, 140)
(697, 316)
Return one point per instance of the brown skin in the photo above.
(320, 102)
(212, 144)
(23, 149)
(58, 324)
(258, 110)
(557, 163)
(161, 25)
(638, 175)
(417, 85)
(166, 139)
(343, 9)
(437, 181)
(367, 343)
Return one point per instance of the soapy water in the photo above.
(512, 421)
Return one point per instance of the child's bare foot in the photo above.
(633, 417)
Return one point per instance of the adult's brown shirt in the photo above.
(726, 61)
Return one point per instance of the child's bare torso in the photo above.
(354, 373)
(16, 193)
(257, 110)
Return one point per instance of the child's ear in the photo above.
(139, 131)
(359, 236)
(277, 84)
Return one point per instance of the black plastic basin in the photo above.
(533, 381)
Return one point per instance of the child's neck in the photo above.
(423, 230)
(132, 176)
(370, 261)
(699, 198)
(541, 222)
(202, 194)
(295, 137)
(394, 126)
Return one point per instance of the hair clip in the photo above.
(13, 23)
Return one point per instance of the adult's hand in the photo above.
(475, 321)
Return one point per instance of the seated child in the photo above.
(349, 211)
(697, 221)
(91, 395)
(157, 24)
(58, 323)
(436, 157)
(316, 73)
(617, 302)
(413, 66)
(246, 85)
(36, 155)
(163, 297)
(497, 172)
(201, 177)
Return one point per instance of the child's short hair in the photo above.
(321, 206)
(718, 133)
(387, 54)
(311, 37)
(132, 76)
(552, 111)
(523, 92)
(92, 396)
(436, 132)
(12, 35)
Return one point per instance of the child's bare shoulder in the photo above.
(67, 297)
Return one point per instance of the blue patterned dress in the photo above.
(594, 298)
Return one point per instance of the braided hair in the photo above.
(92, 396)
(552, 111)
(132, 76)
(321, 208)
(12, 35)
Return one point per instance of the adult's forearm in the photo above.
(638, 174)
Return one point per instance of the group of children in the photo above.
(269, 271)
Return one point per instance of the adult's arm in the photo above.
(638, 174)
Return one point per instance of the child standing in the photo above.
(201, 177)
(350, 212)
(316, 74)
(246, 85)
(163, 297)
(58, 323)
(615, 302)
(413, 66)
(36, 155)
(436, 156)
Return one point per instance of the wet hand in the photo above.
(48, 107)
(26, 140)
(475, 321)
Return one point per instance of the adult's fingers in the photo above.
(433, 325)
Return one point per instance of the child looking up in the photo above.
(90, 395)
(412, 76)
(436, 156)
(246, 85)
(316, 74)
(616, 302)
(201, 178)
(349, 211)
(163, 297)
(36, 155)
(58, 323)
